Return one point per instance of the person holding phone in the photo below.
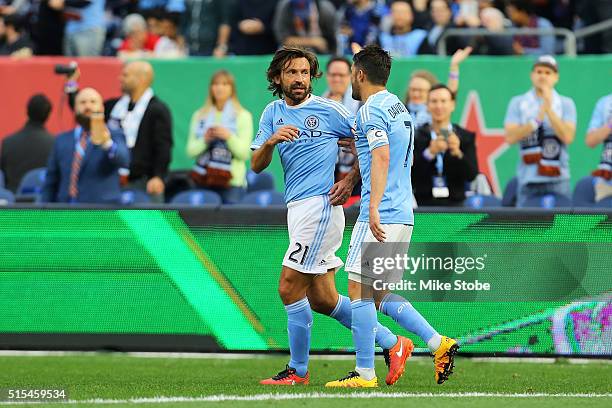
(444, 154)
(84, 162)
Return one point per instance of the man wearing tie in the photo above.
(84, 163)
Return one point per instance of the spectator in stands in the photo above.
(208, 26)
(441, 16)
(29, 148)
(467, 15)
(49, 27)
(421, 82)
(85, 29)
(338, 76)
(138, 42)
(306, 23)
(14, 41)
(522, 16)
(544, 123)
(402, 39)
(600, 133)
(147, 125)
(252, 30)
(444, 154)
(171, 44)
(359, 23)
(493, 20)
(84, 163)
(221, 133)
(593, 12)
(172, 6)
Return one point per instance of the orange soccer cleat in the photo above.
(396, 358)
(287, 377)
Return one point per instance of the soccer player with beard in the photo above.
(306, 129)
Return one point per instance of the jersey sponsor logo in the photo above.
(280, 122)
(396, 109)
(311, 122)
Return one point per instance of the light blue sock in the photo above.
(299, 321)
(342, 313)
(400, 310)
(364, 331)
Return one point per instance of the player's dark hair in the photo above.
(338, 59)
(39, 108)
(522, 5)
(442, 86)
(375, 63)
(283, 57)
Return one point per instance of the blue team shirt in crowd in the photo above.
(602, 115)
(309, 161)
(384, 120)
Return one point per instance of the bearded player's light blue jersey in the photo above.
(383, 120)
(309, 161)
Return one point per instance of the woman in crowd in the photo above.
(220, 138)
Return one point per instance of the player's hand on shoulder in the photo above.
(286, 133)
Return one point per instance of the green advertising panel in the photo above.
(154, 272)
(486, 86)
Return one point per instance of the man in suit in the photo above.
(147, 125)
(84, 163)
(29, 148)
(444, 154)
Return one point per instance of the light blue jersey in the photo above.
(310, 160)
(384, 120)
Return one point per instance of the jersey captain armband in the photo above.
(377, 138)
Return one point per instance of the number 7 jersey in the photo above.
(383, 120)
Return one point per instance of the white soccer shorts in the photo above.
(362, 233)
(315, 234)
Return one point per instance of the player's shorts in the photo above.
(315, 234)
(362, 233)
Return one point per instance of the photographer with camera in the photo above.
(84, 163)
(444, 154)
(147, 124)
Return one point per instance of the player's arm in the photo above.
(564, 129)
(599, 127)
(263, 155)
(378, 180)
(341, 191)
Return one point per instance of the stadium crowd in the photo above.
(177, 28)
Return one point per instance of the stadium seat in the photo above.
(584, 193)
(1, 179)
(258, 182)
(482, 201)
(131, 197)
(6, 197)
(31, 185)
(509, 197)
(549, 201)
(265, 198)
(197, 198)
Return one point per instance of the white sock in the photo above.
(434, 343)
(366, 373)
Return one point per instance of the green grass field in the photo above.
(122, 378)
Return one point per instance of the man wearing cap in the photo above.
(600, 133)
(544, 123)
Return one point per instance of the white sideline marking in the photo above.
(247, 356)
(313, 395)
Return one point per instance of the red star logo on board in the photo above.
(490, 143)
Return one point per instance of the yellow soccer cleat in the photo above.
(444, 359)
(353, 380)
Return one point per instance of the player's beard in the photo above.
(83, 120)
(355, 93)
(297, 99)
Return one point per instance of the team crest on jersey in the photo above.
(311, 122)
